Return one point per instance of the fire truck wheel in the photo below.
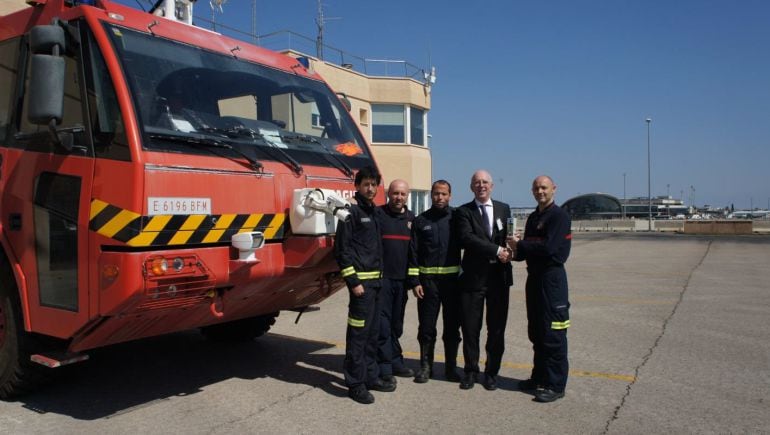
(240, 330)
(17, 373)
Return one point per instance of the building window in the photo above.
(363, 117)
(388, 123)
(418, 201)
(416, 126)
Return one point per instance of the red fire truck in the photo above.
(157, 177)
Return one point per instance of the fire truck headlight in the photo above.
(177, 264)
(159, 266)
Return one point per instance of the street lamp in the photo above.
(649, 184)
(623, 208)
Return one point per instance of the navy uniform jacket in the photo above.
(434, 249)
(547, 239)
(480, 256)
(396, 233)
(358, 244)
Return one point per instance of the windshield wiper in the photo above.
(347, 170)
(241, 131)
(207, 142)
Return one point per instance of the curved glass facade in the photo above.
(593, 206)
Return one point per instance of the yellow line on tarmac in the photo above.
(612, 299)
(520, 366)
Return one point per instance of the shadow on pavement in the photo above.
(135, 374)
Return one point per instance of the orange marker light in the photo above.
(159, 266)
(110, 272)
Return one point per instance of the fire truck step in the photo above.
(54, 360)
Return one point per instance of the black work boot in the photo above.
(450, 365)
(426, 363)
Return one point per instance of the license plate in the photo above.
(183, 206)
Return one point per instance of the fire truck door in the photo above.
(46, 204)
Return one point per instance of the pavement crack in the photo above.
(647, 356)
(283, 401)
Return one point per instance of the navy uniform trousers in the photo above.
(360, 366)
(393, 299)
(548, 316)
(440, 293)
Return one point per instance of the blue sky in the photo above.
(563, 87)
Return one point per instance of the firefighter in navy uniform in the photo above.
(395, 224)
(358, 250)
(545, 247)
(434, 264)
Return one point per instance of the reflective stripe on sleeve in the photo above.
(348, 271)
(440, 270)
(356, 323)
(413, 271)
(369, 275)
(560, 325)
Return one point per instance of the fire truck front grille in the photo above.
(178, 292)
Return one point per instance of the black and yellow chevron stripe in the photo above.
(167, 230)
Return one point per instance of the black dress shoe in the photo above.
(403, 372)
(389, 379)
(528, 385)
(548, 395)
(382, 385)
(451, 375)
(490, 382)
(469, 380)
(361, 395)
(422, 375)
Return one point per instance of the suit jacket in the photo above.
(480, 251)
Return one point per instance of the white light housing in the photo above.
(247, 244)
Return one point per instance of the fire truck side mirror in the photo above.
(345, 101)
(46, 87)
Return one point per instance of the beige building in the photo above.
(8, 6)
(392, 113)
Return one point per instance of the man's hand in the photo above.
(357, 290)
(417, 291)
(505, 255)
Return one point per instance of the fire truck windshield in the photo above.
(182, 91)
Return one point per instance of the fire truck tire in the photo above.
(18, 374)
(240, 330)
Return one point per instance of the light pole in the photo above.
(649, 184)
(623, 208)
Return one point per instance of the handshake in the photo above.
(507, 252)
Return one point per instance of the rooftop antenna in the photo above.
(320, 21)
(216, 5)
(254, 21)
(429, 76)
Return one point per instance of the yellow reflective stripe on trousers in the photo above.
(369, 275)
(413, 271)
(350, 270)
(560, 325)
(356, 323)
(440, 270)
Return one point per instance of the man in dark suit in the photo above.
(487, 275)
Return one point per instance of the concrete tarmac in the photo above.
(669, 335)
